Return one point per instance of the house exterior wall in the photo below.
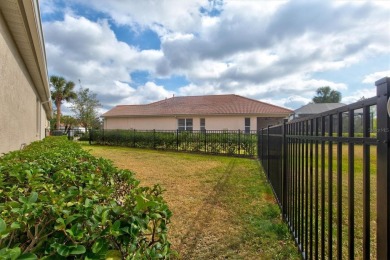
(149, 123)
(264, 122)
(22, 116)
(227, 123)
(170, 123)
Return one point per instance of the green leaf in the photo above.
(3, 226)
(70, 232)
(75, 231)
(140, 202)
(98, 245)
(70, 219)
(78, 250)
(88, 203)
(104, 216)
(15, 225)
(23, 200)
(116, 225)
(3, 229)
(33, 197)
(14, 253)
(61, 224)
(27, 256)
(63, 250)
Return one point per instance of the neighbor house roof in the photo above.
(317, 108)
(200, 105)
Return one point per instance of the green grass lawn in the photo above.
(358, 199)
(222, 207)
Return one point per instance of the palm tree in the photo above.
(61, 90)
(327, 95)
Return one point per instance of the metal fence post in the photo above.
(383, 169)
(268, 151)
(177, 139)
(258, 144)
(154, 138)
(239, 141)
(284, 169)
(133, 137)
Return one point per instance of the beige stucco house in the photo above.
(25, 105)
(212, 112)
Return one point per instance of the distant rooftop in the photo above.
(317, 108)
(200, 105)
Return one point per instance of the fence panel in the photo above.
(235, 143)
(330, 176)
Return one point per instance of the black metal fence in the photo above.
(235, 143)
(72, 134)
(330, 174)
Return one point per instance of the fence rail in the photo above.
(235, 143)
(330, 176)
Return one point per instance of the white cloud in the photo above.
(78, 48)
(47, 6)
(171, 15)
(150, 92)
(296, 38)
(198, 90)
(291, 102)
(291, 92)
(264, 50)
(371, 78)
(359, 94)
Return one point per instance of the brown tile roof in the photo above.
(199, 105)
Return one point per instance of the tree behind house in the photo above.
(61, 90)
(85, 108)
(327, 95)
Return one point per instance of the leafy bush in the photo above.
(59, 202)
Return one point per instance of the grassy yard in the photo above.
(222, 207)
(358, 199)
(357, 209)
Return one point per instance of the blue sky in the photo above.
(136, 52)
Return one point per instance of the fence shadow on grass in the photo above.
(202, 219)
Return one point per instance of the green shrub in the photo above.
(215, 142)
(59, 202)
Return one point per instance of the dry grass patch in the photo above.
(222, 207)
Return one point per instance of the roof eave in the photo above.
(201, 115)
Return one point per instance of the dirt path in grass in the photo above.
(216, 202)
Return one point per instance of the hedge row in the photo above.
(212, 142)
(59, 202)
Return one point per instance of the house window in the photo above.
(202, 124)
(247, 125)
(185, 124)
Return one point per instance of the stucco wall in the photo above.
(21, 114)
(170, 123)
(228, 122)
(264, 122)
(158, 123)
